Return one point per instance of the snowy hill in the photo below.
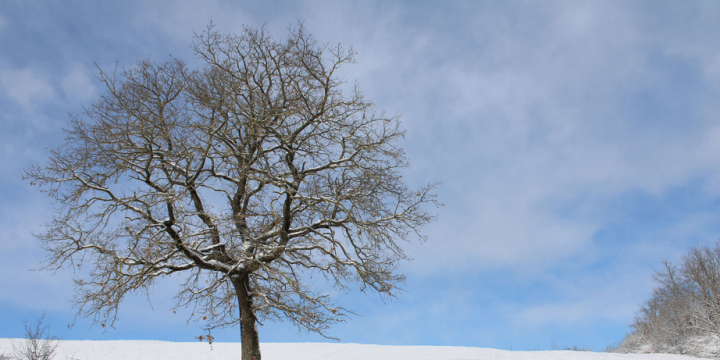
(157, 350)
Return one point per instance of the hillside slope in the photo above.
(156, 350)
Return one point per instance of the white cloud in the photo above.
(77, 85)
(518, 129)
(527, 123)
(694, 42)
(26, 88)
(177, 20)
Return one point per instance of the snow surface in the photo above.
(157, 350)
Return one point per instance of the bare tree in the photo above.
(701, 269)
(683, 314)
(242, 175)
(667, 318)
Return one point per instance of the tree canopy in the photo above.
(242, 175)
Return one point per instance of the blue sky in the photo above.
(578, 143)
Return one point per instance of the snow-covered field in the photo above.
(157, 350)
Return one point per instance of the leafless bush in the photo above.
(38, 344)
(555, 347)
(577, 348)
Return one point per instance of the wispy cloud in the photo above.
(26, 88)
(77, 85)
(528, 115)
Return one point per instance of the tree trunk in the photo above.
(248, 329)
